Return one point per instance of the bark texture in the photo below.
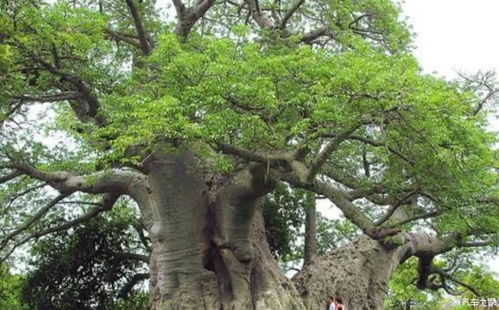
(210, 250)
(179, 279)
(358, 273)
(271, 288)
(310, 250)
(208, 239)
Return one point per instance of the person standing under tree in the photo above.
(339, 304)
(330, 304)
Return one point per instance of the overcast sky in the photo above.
(455, 34)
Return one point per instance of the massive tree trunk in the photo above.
(208, 252)
(209, 249)
(179, 211)
(358, 273)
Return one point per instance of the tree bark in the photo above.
(310, 250)
(176, 198)
(271, 289)
(209, 249)
(358, 273)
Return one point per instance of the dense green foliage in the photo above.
(84, 268)
(284, 214)
(109, 103)
(10, 290)
(403, 291)
(265, 95)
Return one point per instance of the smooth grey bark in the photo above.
(178, 208)
(271, 289)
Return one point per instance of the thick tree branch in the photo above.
(32, 220)
(179, 6)
(426, 269)
(313, 35)
(137, 278)
(106, 204)
(114, 181)
(290, 13)
(139, 26)
(476, 244)
(350, 211)
(426, 245)
(357, 193)
(261, 20)
(310, 249)
(279, 162)
(50, 98)
(188, 17)
(328, 150)
(131, 256)
(123, 38)
(87, 105)
(242, 153)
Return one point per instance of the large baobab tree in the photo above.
(199, 116)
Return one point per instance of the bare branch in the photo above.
(380, 144)
(393, 208)
(188, 17)
(139, 26)
(328, 150)
(290, 13)
(87, 106)
(123, 37)
(10, 176)
(482, 82)
(418, 217)
(32, 220)
(107, 203)
(476, 244)
(50, 98)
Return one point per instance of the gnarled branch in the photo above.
(145, 46)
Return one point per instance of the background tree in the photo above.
(199, 121)
(89, 267)
(10, 290)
